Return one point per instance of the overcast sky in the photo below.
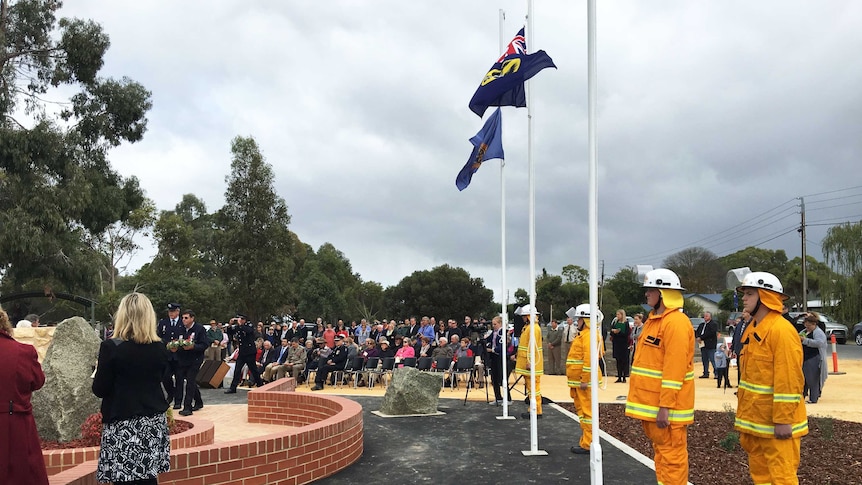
(711, 114)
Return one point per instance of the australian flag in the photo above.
(487, 145)
(503, 84)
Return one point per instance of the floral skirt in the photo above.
(134, 449)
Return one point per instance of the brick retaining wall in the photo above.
(326, 437)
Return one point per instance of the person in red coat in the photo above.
(20, 452)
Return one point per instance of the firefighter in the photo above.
(770, 416)
(578, 370)
(661, 389)
(530, 332)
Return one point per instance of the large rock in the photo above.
(67, 399)
(412, 392)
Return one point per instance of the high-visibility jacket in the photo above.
(771, 380)
(523, 356)
(662, 374)
(578, 359)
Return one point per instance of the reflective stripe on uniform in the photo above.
(643, 371)
(755, 388)
(787, 398)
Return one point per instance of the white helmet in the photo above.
(583, 311)
(526, 310)
(761, 279)
(662, 278)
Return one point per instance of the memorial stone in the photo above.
(67, 399)
(412, 392)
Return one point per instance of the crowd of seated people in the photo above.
(294, 349)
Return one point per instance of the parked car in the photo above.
(695, 322)
(828, 324)
(857, 333)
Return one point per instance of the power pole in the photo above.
(804, 258)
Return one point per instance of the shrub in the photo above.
(91, 430)
(827, 432)
(730, 441)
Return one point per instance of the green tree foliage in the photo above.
(184, 269)
(842, 248)
(369, 297)
(57, 189)
(254, 247)
(625, 285)
(575, 274)
(698, 269)
(817, 273)
(443, 291)
(692, 308)
(327, 286)
(771, 261)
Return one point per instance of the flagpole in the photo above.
(504, 314)
(595, 447)
(534, 433)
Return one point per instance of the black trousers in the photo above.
(623, 367)
(172, 383)
(189, 372)
(324, 371)
(496, 374)
(247, 360)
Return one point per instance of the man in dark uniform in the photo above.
(247, 352)
(335, 362)
(190, 359)
(171, 329)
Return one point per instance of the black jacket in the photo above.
(244, 335)
(129, 379)
(198, 334)
(708, 332)
(169, 332)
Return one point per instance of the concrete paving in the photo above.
(468, 443)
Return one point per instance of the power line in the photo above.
(832, 191)
(834, 206)
(735, 229)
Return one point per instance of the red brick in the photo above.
(217, 479)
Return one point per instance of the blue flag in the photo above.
(487, 144)
(503, 84)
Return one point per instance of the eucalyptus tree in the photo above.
(57, 188)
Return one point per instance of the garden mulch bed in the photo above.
(831, 452)
(178, 427)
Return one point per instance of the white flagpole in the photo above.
(503, 295)
(534, 433)
(595, 446)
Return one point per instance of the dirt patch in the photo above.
(831, 452)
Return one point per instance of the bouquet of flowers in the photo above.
(175, 345)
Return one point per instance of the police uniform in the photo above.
(246, 355)
(169, 331)
(338, 358)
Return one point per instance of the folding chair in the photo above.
(338, 374)
(354, 368)
(370, 367)
(442, 365)
(463, 367)
(424, 364)
(383, 371)
(409, 362)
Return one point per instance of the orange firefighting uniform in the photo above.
(523, 358)
(662, 375)
(578, 370)
(770, 393)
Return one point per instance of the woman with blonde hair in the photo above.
(135, 442)
(20, 452)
